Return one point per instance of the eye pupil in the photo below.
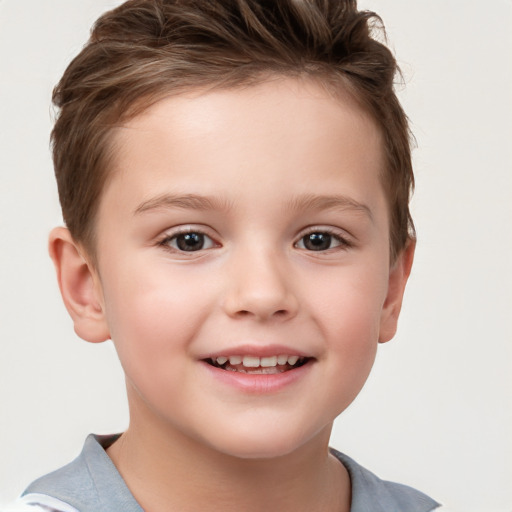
(190, 241)
(317, 241)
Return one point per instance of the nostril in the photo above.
(262, 303)
(278, 313)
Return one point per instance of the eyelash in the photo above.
(342, 242)
(166, 241)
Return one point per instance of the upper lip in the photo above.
(255, 351)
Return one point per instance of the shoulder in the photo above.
(90, 483)
(369, 492)
(38, 503)
(72, 483)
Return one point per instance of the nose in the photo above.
(260, 286)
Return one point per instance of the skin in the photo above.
(277, 162)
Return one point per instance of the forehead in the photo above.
(226, 139)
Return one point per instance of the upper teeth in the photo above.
(255, 362)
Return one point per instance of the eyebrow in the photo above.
(204, 203)
(336, 202)
(187, 201)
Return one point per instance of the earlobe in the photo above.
(398, 275)
(79, 286)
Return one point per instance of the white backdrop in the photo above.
(437, 411)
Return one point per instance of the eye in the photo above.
(191, 241)
(321, 241)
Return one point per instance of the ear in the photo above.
(80, 287)
(398, 275)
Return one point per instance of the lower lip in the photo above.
(258, 383)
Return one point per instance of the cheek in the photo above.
(153, 315)
(348, 311)
(152, 326)
(352, 334)
(350, 303)
(353, 340)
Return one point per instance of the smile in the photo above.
(258, 365)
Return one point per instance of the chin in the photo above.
(262, 444)
(259, 451)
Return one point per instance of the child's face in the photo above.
(249, 222)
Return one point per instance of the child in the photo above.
(234, 177)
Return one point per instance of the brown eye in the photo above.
(320, 241)
(317, 241)
(189, 242)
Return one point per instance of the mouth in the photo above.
(258, 365)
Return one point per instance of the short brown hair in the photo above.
(147, 49)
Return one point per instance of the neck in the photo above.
(166, 470)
